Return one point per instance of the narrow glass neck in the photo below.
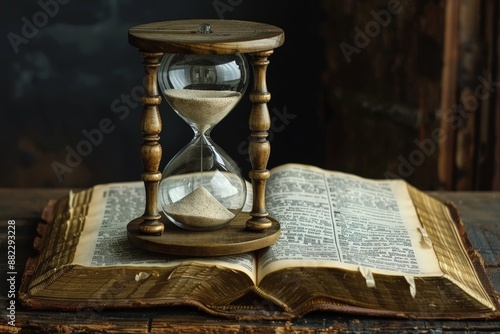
(198, 133)
(202, 138)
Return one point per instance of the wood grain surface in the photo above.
(226, 37)
(232, 239)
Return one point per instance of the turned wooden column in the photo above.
(259, 147)
(151, 148)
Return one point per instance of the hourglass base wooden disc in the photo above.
(232, 239)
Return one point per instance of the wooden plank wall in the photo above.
(468, 158)
(414, 96)
(382, 88)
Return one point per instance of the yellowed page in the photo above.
(332, 219)
(103, 241)
(452, 255)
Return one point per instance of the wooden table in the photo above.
(480, 212)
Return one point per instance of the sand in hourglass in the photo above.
(204, 108)
(199, 209)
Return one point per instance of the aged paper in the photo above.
(331, 219)
(103, 241)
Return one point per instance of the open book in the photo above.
(347, 244)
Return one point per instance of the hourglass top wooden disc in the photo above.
(206, 36)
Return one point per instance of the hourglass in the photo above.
(201, 70)
(201, 187)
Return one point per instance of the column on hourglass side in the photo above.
(151, 149)
(259, 147)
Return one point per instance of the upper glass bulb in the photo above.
(201, 187)
(203, 89)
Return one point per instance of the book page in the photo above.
(335, 219)
(452, 256)
(103, 241)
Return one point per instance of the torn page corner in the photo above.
(71, 197)
(426, 239)
(368, 275)
(142, 276)
(413, 286)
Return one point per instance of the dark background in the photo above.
(366, 113)
(66, 79)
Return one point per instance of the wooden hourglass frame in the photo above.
(154, 40)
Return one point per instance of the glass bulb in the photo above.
(201, 187)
